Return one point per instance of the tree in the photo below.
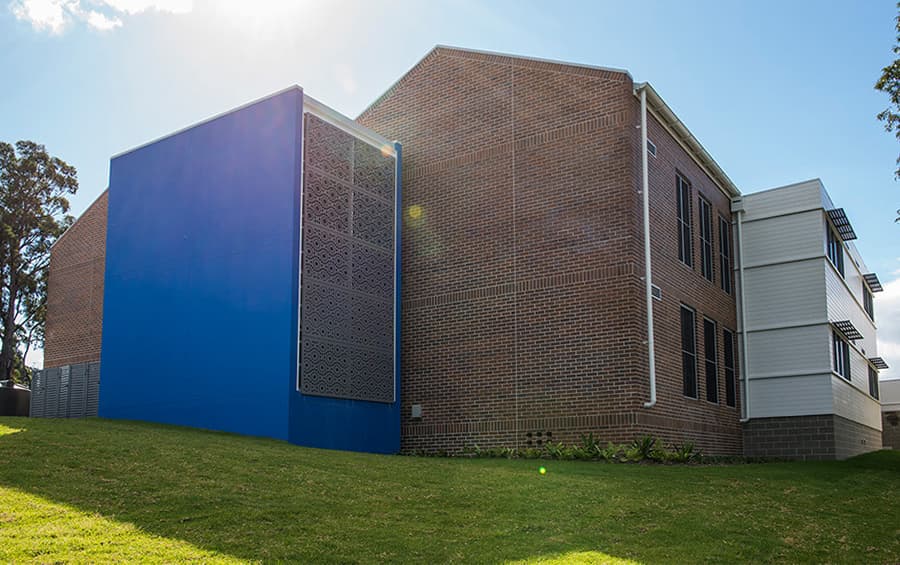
(33, 214)
(889, 83)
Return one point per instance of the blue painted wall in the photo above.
(202, 281)
(200, 298)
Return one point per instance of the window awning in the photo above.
(848, 329)
(842, 224)
(873, 282)
(878, 362)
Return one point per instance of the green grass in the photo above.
(101, 491)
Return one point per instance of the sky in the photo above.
(777, 92)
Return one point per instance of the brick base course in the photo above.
(808, 438)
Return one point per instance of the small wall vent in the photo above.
(656, 292)
(651, 148)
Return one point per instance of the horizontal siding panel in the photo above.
(854, 404)
(783, 238)
(789, 351)
(790, 396)
(804, 196)
(785, 294)
(842, 306)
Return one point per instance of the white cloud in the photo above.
(44, 15)
(132, 7)
(54, 16)
(887, 315)
(102, 22)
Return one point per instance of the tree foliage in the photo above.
(33, 214)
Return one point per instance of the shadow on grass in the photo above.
(259, 499)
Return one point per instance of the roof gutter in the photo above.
(686, 139)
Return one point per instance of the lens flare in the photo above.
(542, 470)
(415, 211)
(387, 151)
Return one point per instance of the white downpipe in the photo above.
(744, 364)
(645, 193)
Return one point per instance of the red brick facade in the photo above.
(523, 314)
(75, 290)
(523, 306)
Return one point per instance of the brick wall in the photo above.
(818, 437)
(890, 430)
(75, 290)
(523, 309)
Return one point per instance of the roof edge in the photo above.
(78, 219)
(439, 48)
(293, 87)
(683, 135)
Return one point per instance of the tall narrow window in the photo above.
(841, 354)
(685, 243)
(873, 383)
(728, 350)
(712, 366)
(688, 352)
(725, 254)
(706, 239)
(835, 250)
(868, 303)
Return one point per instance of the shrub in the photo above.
(590, 447)
(646, 447)
(684, 453)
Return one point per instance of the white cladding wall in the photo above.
(789, 351)
(791, 396)
(764, 241)
(785, 294)
(792, 293)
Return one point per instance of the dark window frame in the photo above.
(868, 301)
(707, 268)
(711, 359)
(840, 356)
(873, 383)
(835, 249)
(684, 222)
(728, 354)
(725, 255)
(689, 352)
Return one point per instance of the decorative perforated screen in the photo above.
(347, 266)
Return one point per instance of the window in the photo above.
(835, 251)
(868, 303)
(712, 365)
(685, 242)
(841, 352)
(706, 239)
(651, 148)
(873, 383)
(725, 254)
(688, 352)
(728, 344)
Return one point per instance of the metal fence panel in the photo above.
(72, 391)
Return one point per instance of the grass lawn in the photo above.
(96, 490)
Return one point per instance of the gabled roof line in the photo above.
(78, 219)
(462, 51)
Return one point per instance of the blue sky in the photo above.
(778, 92)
